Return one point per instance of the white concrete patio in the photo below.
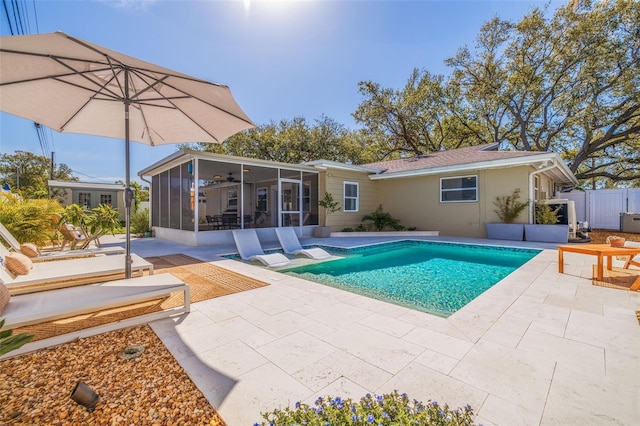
(539, 348)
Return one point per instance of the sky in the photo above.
(281, 59)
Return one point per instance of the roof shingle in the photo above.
(472, 154)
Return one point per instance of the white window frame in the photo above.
(475, 200)
(344, 196)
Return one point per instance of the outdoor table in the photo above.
(599, 250)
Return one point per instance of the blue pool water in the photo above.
(438, 278)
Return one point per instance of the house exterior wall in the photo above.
(415, 201)
(69, 196)
(333, 182)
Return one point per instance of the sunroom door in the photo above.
(290, 202)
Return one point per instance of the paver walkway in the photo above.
(539, 348)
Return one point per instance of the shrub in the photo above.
(545, 215)
(509, 206)
(382, 220)
(361, 228)
(29, 220)
(347, 229)
(389, 409)
(140, 221)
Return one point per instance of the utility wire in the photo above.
(6, 11)
(35, 14)
(91, 177)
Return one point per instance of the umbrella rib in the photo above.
(143, 76)
(82, 74)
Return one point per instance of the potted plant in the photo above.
(546, 229)
(508, 209)
(330, 206)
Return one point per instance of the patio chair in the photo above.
(55, 255)
(249, 248)
(70, 272)
(291, 245)
(73, 237)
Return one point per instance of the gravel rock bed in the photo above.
(151, 389)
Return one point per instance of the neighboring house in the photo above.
(88, 194)
(452, 192)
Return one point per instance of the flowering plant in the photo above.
(388, 409)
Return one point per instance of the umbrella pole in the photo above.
(127, 190)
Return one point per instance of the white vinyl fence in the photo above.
(602, 207)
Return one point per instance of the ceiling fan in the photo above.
(230, 178)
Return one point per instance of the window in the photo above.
(261, 203)
(350, 203)
(306, 197)
(460, 189)
(84, 199)
(105, 199)
(232, 199)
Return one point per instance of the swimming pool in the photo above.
(439, 278)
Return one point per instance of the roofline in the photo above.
(190, 154)
(328, 164)
(515, 161)
(73, 184)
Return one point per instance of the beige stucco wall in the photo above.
(333, 182)
(66, 197)
(416, 201)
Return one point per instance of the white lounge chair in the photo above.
(64, 273)
(55, 255)
(62, 303)
(249, 248)
(291, 245)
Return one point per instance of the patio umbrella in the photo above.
(71, 85)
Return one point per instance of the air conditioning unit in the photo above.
(566, 213)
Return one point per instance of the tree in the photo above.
(294, 141)
(567, 84)
(28, 174)
(413, 120)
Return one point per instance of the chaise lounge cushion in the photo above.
(18, 263)
(4, 296)
(30, 250)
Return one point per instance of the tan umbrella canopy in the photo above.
(71, 85)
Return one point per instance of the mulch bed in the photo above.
(150, 390)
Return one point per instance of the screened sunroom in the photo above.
(197, 198)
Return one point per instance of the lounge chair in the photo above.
(62, 303)
(54, 255)
(291, 245)
(65, 273)
(249, 248)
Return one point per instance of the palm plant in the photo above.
(382, 220)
